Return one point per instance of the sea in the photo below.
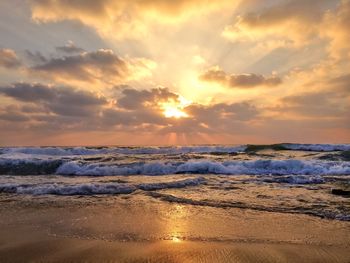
(310, 179)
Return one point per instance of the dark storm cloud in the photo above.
(9, 59)
(239, 80)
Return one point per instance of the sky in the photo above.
(160, 72)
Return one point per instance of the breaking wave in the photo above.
(69, 151)
(94, 188)
(258, 167)
(255, 167)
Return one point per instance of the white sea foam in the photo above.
(295, 179)
(94, 188)
(258, 167)
(57, 189)
(174, 184)
(255, 167)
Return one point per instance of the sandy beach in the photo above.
(138, 228)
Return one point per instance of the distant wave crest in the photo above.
(76, 151)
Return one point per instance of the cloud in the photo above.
(132, 99)
(57, 107)
(285, 23)
(43, 109)
(86, 66)
(9, 59)
(28, 92)
(221, 113)
(215, 118)
(12, 114)
(70, 48)
(99, 67)
(58, 100)
(35, 57)
(340, 84)
(316, 105)
(250, 80)
(336, 28)
(123, 18)
(296, 23)
(328, 101)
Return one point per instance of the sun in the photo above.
(172, 111)
(175, 109)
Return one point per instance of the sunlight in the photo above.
(175, 109)
(171, 111)
(175, 239)
(177, 224)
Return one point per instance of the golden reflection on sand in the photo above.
(177, 224)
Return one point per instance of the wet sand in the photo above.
(141, 229)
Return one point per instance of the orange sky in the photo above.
(157, 72)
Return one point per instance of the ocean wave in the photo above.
(236, 167)
(295, 179)
(29, 166)
(57, 189)
(258, 167)
(70, 151)
(317, 147)
(27, 152)
(94, 188)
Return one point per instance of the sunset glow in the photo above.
(174, 131)
(270, 71)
